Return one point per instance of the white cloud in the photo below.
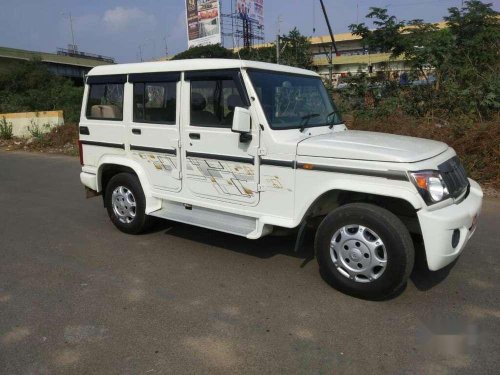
(120, 18)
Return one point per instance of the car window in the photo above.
(213, 102)
(292, 101)
(105, 101)
(155, 102)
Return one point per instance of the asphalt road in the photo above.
(79, 297)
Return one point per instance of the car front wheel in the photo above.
(364, 250)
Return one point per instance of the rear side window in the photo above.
(105, 101)
(155, 102)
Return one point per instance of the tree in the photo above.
(296, 50)
(211, 51)
(264, 54)
(464, 57)
(387, 35)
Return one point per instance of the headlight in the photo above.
(430, 185)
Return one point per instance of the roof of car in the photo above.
(193, 64)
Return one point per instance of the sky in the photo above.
(122, 28)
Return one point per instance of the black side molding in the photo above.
(238, 159)
(153, 149)
(389, 174)
(278, 163)
(103, 144)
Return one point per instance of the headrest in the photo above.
(106, 111)
(233, 101)
(198, 102)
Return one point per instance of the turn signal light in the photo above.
(421, 181)
(308, 166)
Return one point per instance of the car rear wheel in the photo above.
(364, 250)
(126, 204)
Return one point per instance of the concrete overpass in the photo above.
(66, 63)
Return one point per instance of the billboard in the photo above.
(203, 22)
(252, 10)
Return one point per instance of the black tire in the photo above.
(398, 246)
(141, 221)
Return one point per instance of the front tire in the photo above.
(364, 250)
(126, 204)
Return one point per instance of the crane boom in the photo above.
(329, 27)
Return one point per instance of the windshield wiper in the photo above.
(304, 120)
(333, 113)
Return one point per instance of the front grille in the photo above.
(454, 176)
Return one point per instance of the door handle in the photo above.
(194, 135)
(136, 131)
(84, 130)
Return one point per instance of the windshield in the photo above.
(294, 101)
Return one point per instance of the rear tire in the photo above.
(365, 251)
(126, 204)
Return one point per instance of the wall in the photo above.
(22, 121)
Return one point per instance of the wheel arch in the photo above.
(406, 209)
(111, 165)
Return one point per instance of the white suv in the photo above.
(248, 148)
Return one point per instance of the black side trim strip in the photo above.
(196, 75)
(238, 159)
(117, 78)
(389, 174)
(103, 144)
(278, 163)
(152, 149)
(155, 77)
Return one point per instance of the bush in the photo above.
(5, 129)
(38, 132)
(462, 58)
(29, 87)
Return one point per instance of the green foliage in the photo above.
(296, 50)
(29, 86)
(212, 51)
(38, 132)
(5, 129)
(463, 58)
(387, 35)
(264, 54)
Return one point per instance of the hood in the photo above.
(362, 145)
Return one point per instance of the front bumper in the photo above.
(438, 227)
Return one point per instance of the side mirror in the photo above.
(242, 123)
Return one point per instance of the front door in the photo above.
(154, 131)
(218, 165)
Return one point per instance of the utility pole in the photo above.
(278, 23)
(140, 52)
(71, 29)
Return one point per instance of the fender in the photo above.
(357, 184)
(152, 203)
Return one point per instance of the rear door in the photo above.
(102, 127)
(218, 165)
(154, 129)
